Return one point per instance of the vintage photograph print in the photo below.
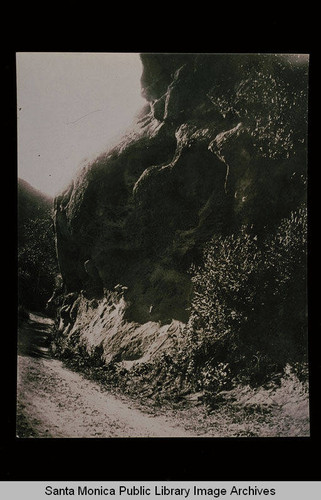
(162, 245)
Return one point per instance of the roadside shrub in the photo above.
(249, 304)
(37, 262)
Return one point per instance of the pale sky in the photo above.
(71, 107)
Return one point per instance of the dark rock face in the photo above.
(220, 143)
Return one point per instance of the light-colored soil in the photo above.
(56, 402)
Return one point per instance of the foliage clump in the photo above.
(37, 262)
(249, 311)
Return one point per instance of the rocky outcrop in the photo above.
(100, 328)
(221, 142)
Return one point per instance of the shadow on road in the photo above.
(34, 336)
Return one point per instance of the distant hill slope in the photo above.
(31, 202)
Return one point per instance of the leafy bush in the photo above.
(37, 262)
(249, 305)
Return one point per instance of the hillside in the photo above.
(32, 203)
(182, 249)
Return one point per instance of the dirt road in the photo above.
(55, 402)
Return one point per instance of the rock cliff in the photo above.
(221, 142)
